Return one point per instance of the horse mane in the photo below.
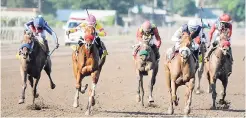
(223, 36)
(185, 40)
(27, 39)
(90, 30)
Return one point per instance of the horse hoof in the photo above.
(176, 102)
(21, 101)
(52, 86)
(198, 91)
(142, 105)
(170, 111)
(75, 105)
(213, 108)
(186, 111)
(83, 89)
(87, 113)
(221, 101)
(36, 96)
(151, 100)
(138, 99)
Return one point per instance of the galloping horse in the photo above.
(180, 70)
(87, 63)
(33, 59)
(217, 68)
(202, 51)
(145, 64)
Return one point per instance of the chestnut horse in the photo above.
(180, 71)
(33, 59)
(217, 68)
(87, 62)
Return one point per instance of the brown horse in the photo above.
(32, 63)
(202, 49)
(87, 63)
(145, 64)
(217, 68)
(180, 71)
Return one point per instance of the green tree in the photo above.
(21, 3)
(236, 8)
(184, 7)
(160, 4)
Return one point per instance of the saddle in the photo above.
(100, 50)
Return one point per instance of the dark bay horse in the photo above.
(217, 68)
(33, 59)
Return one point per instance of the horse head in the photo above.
(185, 46)
(224, 43)
(146, 39)
(89, 41)
(89, 37)
(26, 47)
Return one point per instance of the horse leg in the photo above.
(78, 89)
(214, 94)
(91, 102)
(223, 92)
(151, 85)
(168, 82)
(138, 98)
(24, 78)
(188, 95)
(209, 85)
(34, 92)
(200, 73)
(30, 78)
(174, 90)
(47, 69)
(142, 89)
(76, 99)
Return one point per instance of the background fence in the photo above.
(11, 35)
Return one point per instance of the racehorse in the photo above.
(33, 59)
(87, 62)
(145, 64)
(180, 70)
(217, 68)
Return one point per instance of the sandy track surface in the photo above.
(116, 89)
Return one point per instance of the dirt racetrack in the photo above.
(116, 89)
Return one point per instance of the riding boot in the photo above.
(230, 52)
(47, 47)
(196, 54)
(231, 62)
(102, 50)
(156, 51)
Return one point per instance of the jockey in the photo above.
(194, 29)
(223, 22)
(91, 20)
(148, 29)
(37, 26)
